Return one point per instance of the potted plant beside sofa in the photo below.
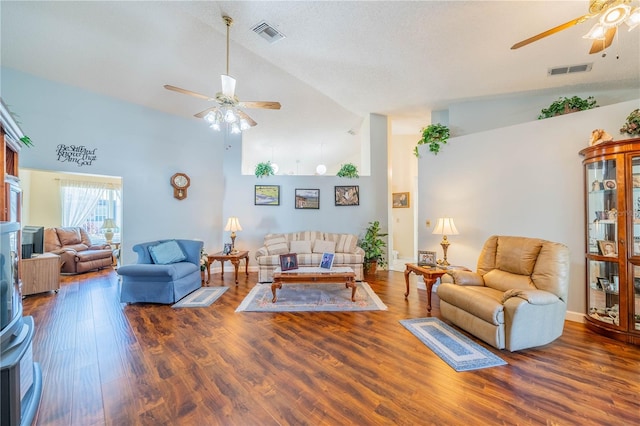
(373, 246)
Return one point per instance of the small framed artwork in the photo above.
(288, 261)
(609, 184)
(267, 195)
(400, 200)
(426, 258)
(227, 248)
(307, 198)
(604, 284)
(347, 195)
(608, 248)
(327, 260)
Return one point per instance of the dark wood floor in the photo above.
(104, 362)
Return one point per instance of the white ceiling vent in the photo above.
(570, 69)
(267, 32)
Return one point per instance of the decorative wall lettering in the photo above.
(76, 154)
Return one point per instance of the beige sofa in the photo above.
(516, 299)
(309, 246)
(76, 251)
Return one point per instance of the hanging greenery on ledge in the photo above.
(567, 105)
(26, 140)
(632, 125)
(434, 135)
(264, 169)
(348, 170)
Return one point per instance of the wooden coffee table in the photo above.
(315, 275)
(430, 274)
(233, 258)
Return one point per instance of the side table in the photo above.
(235, 261)
(40, 274)
(430, 276)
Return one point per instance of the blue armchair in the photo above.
(162, 277)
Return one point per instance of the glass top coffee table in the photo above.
(314, 275)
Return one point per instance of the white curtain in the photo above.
(79, 199)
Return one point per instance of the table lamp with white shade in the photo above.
(444, 227)
(109, 227)
(233, 225)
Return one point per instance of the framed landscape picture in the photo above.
(267, 195)
(307, 198)
(347, 195)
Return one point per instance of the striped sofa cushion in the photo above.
(345, 243)
(276, 244)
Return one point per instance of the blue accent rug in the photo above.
(204, 296)
(311, 297)
(454, 348)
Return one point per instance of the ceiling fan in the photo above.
(228, 108)
(612, 13)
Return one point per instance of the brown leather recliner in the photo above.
(77, 252)
(517, 299)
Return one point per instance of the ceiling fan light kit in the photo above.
(612, 14)
(228, 112)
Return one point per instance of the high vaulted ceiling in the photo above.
(339, 62)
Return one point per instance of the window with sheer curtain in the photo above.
(87, 204)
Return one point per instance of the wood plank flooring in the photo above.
(107, 363)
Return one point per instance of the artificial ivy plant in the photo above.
(264, 169)
(348, 170)
(632, 125)
(433, 135)
(566, 105)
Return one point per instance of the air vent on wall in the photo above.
(267, 32)
(570, 69)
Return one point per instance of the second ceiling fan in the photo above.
(228, 109)
(612, 13)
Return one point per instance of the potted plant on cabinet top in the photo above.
(373, 245)
(433, 135)
(348, 170)
(264, 169)
(567, 105)
(632, 125)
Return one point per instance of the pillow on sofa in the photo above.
(276, 244)
(323, 246)
(345, 243)
(69, 236)
(167, 252)
(300, 247)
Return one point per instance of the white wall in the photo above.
(524, 180)
(404, 172)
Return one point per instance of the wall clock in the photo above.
(180, 183)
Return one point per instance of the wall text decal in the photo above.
(76, 154)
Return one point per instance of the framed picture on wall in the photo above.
(400, 200)
(426, 258)
(307, 198)
(267, 195)
(347, 195)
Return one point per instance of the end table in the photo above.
(235, 261)
(430, 276)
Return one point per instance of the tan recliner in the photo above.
(517, 299)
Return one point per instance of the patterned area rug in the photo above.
(311, 297)
(200, 298)
(456, 349)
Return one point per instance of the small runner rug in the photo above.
(204, 296)
(456, 349)
(311, 297)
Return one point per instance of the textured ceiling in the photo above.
(339, 62)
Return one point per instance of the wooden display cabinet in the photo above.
(40, 274)
(612, 213)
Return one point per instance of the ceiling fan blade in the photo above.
(260, 104)
(203, 113)
(188, 92)
(250, 120)
(600, 45)
(551, 31)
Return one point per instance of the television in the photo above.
(32, 241)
